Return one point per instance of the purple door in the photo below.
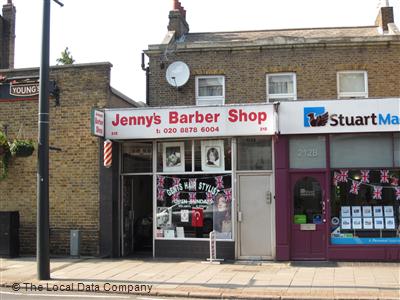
(308, 220)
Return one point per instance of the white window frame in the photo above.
(220, 100)
(352, 94)
(283, 97)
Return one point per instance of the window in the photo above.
(361, 150)
(307, 152)
(137, 157)
(254, 153)
(365, 207)
(352, 84)
(281, 87)
(194, 189)
(210, 90)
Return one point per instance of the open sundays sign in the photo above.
(198, 121)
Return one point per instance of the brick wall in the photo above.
(245, 71)
(74, 171)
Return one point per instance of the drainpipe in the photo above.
(147, 69)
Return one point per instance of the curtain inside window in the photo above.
(210, 87)
(351, 83)
(280, 84)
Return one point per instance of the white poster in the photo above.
(190, 121)
(367, 211)
(357, 224)
(389, 223)
(346, 223)
(378, 223)
(356, 211)
(368, 223)
(378, 212)
(388, 211)
(184, 215)
(345, 212)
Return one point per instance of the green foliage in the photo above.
(22, 148)
(5, 155)
(66, 58)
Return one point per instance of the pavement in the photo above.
(196, 279)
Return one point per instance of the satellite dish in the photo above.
(177, 73)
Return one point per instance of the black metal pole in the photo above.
(42, 244)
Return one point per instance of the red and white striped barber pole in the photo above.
(107, 153)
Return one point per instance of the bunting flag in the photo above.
(343, 176)
(228, 194)
(394, 181)
(192, 198)
(365, 176)
(397, 190)
(160, 194)
(377, 194)
(335, 178)
(219, 182)
(160, 181)
(176, 196)
(384, 176)
(355, 187)
(210, 198)
(176, 181)
(192, 184)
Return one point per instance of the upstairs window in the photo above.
(281, 87)
(210, 90)
(352, 84)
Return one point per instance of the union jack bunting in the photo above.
(397, 192)
(355, 187)
(365, 176)
(228, 194)
(176, 196)
(192, 198)
(192, 184)
(395, 181)
(160, 194)
(335, 178)
(219, 182)
(210, 198)
(160, 181)
(377, 194)
(343, 176)
(176, 181)
(384, 176)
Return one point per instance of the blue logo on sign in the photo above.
(315, 116)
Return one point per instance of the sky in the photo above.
(118, 31)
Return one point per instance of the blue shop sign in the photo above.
(365, 241)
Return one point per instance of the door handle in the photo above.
(268, 197)
(239, 216)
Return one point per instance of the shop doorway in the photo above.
(136, 211)
(255, 217)
(308, 225)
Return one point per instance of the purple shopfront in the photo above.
(337, 170)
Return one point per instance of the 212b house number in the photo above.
(303, 152)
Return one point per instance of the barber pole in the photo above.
(107, 153)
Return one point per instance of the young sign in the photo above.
(198, 121)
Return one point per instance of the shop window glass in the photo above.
(212, 155)
(174, 157)
(397, 149)
(307, 152)
(307, 201)
(361, 150)
(365, 206)
(254, 153)
(192, 206)
(137, 157)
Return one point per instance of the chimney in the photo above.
(7, 38)
(385, 16)
(177, 20)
